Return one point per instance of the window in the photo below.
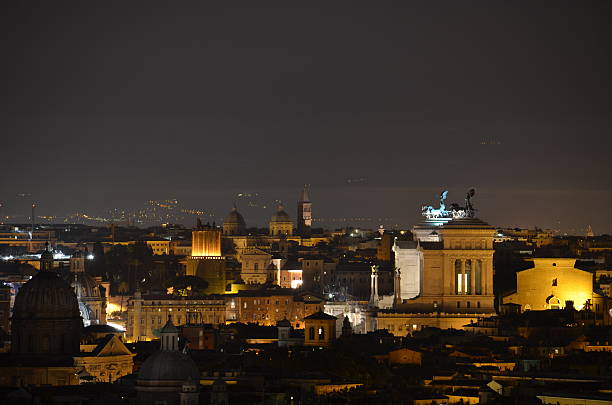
(554, 282)
(458, 289)
(458, 304)
(311, 334)
(468, 304)
(478, 304)
(321, 333)
(467, 277)
(256, 266)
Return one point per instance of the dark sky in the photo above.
(109, 104)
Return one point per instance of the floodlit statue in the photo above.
(467, 211)
(430, 212)
(456, 210)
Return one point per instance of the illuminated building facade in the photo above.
(105, 361)
(146, 314)
(206, 261)
(90, 291)
(550, 284)
(409, 261)
(319, 329)
(254, 266)
(267, 307)
(456, 283)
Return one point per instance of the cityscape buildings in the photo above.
(243, 203)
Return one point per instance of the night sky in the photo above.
(109, 105)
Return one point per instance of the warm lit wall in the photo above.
(534, 286)
(206, 243)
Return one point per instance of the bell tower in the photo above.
(304, 213)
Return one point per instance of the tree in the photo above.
(185, 286)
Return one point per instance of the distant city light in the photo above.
(60, 256)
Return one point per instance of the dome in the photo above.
(46, 295)
(169, 366)
(234, 218)
(85, 285)
(281, 215)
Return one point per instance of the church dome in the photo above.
(234, 218)
(46, 295)
(169, 366)
(85, 285)
(281, 215)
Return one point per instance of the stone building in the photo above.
(147, 313)
(281, 223)
(319, 329)
(550, 284)
(206, 260)
(105, 361)
(456, 274)
(267, 307)
(46, 330)
(90, 292)
(254, 266)
(234, 224)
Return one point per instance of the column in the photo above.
(473, 277)
(463, 289)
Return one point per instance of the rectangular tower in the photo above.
(304, 213)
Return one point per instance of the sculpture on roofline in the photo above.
(456, 210)
(430, 212)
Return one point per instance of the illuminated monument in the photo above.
(206, 261)
(450, 277)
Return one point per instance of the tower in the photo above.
(374, 287)
(397, 288)
(304, 213)
(206, 261)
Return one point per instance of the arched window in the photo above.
(321, 333)
(458, 280)
(467, 277)
(311, 334)
(478, 277)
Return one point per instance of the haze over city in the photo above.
(377, 111)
